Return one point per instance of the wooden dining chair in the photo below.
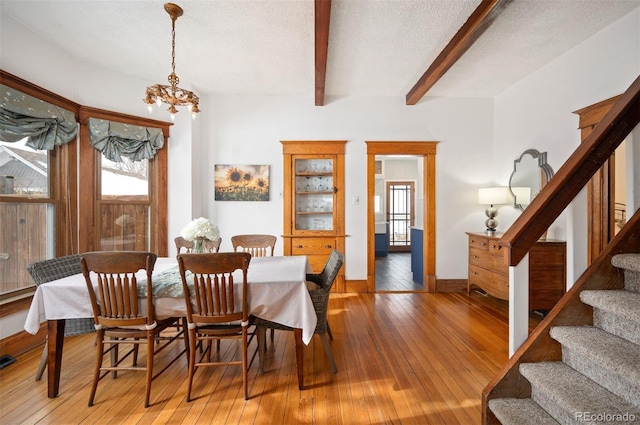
(116, 293)
(215, 310)
(53, 269)
(256, 245)
(188, 246)
(320, 297)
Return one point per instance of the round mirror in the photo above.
(530, 174)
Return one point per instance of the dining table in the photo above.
(276, 288)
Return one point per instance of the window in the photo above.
(126, 201)
(124, 205)
(36, 217)
(26, 213)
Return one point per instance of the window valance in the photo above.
(116, 140)
(46, 125)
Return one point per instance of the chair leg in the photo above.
(245, 362)
(150, 350)
(43, 361)
(327, 349)
(99, 358)
(193, 347)
(329, 331)
(185, 335)
(273, 331)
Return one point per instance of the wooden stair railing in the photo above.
(569, 311)
(574, 174)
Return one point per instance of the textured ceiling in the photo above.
(376, 47)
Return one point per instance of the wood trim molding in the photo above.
(23, 341)
(426, 149)
(478, 22)
(39, 92)
(600, 208)
(18, 304)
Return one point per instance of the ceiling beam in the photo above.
(322, 18)
(477, 23)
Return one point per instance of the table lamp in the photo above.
(493, 196)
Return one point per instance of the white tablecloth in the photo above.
(277, 292)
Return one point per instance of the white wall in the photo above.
(246, 129)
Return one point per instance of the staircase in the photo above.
(598, 379)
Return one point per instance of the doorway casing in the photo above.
(428, 152)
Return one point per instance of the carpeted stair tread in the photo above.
(563, 392)
(519, 411)
(611, 361)
(622, 303)
(627, 261)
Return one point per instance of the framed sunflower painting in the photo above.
(241, 182)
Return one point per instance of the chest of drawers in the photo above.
(489, 272)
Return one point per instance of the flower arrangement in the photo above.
(200, 228)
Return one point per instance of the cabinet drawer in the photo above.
(487, 260)
(307, 246)
(479, 242)
(494, 248)
(494, 284)
(478, 257)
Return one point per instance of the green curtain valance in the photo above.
(46, 125)
(116, 140)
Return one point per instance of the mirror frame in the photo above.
(542, 164)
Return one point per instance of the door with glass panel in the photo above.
(400, 214)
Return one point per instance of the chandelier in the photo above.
(172, 94)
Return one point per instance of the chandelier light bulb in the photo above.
(150, 108)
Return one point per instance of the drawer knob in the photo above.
(328, 246)
(476, 257)
(298, 246)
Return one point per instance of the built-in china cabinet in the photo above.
(314, 201)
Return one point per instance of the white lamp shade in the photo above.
(494, 196)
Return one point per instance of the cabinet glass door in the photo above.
(314, 200)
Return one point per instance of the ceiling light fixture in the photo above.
(172, 94)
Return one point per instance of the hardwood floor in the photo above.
(393, 273)
(411, 358)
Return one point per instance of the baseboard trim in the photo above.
(23, 341)
(355, 286)
(451, 285)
